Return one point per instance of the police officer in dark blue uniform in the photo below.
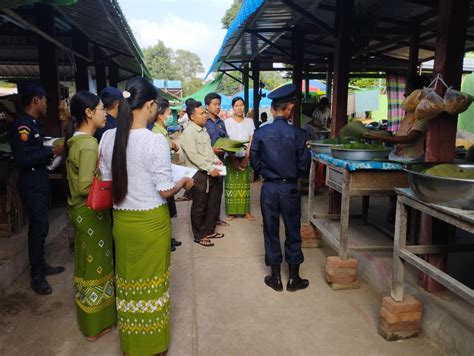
(280, 155)
(32, 158)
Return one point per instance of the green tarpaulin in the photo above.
(201, 93)
(8, 4)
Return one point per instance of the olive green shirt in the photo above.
(157, 128)
(80, 165)
(196, 145)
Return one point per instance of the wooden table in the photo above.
(463, 219)
(363, 182)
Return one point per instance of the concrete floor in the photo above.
(220, 306)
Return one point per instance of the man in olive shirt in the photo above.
(198, 154)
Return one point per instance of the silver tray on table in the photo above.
(320, 147)
(359, 155)
(450, 192)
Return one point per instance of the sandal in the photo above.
(204, 242)
(250, 217)
(99, 335)
(182, 199)
(230, 217)
(222, 223)
(215, 235)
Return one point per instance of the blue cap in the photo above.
(284, 93)
(32, 90)
(111, 93)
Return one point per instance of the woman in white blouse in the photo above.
(237, 181)
(138, 162)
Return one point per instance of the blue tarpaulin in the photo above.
(248, 8)
(264, 102)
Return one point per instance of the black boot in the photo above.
(173, 248)
(175, 242)
(39, 284)
(50, 271)
(296, 282)
(274, 281)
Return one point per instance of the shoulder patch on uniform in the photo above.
(24, 132)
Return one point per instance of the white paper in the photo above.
(222, 169)
(179, 172)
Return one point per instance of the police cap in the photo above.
(32, 90)
(111, 93)
(283, 94)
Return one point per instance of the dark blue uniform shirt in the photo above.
(111, 123)
(279, 151)
(27, 144)
(215, 129)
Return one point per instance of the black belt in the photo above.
(281, 180)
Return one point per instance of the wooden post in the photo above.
(441, 135)
(114, 75)
(245, 79)
(48, 66)
(100, 75)
(306, 84)
(329, 79)
(414, 52)
(80, 44)
(256, 89)
(297, 53)
(342, 61)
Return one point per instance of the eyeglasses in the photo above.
(103, 109)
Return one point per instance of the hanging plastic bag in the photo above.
(430, 106)
(411, 101)
(456, 102)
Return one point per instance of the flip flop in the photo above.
(215, 235)
(230, 218)
(222, 223)
(204, 242)
(249, 217)
(99, 335)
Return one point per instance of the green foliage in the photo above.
(7, 84)
(230, 14)
(229, 86)
(367, 82)
(164, 63)
(272, 80)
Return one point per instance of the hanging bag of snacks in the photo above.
(432, 104)
(456, 102)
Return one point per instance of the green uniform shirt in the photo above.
(196, 145)
(157, 128)
(80, 165)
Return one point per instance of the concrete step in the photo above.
(14, 249)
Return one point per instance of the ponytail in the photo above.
(119, 157)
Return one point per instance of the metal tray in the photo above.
(319, 147)
(450, 192)
(359, 155)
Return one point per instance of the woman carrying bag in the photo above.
(139, 165)
(94, 276)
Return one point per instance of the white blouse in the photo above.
(148, 168)
(240, 131)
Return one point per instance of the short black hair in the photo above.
(165, 104)
(324, 101)
(280, 105)
(211, 96)
(236, 99)
(26, 99)
(188, 101)
(264, 115)
(192, 106)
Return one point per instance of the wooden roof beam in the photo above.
(314, 19)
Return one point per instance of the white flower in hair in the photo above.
(126, 94)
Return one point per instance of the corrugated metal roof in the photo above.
(381, 33)
(102, 22)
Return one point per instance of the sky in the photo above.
(193, 25)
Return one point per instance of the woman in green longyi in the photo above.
(94, 276)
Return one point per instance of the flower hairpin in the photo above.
(126, 94)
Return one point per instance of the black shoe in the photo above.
(175, 242)
(41, 286)
(274, 281)
(51, 271)
(173, 248)
(296, 282)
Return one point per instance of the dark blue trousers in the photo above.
(34, 189)
(281, 199)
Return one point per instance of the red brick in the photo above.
(340, 279)
(309, 232)
(401, 326)
(409, 304)
(341, 271)
(396, 318)
(336, 262)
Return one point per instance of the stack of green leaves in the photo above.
(353, 131)
(364, 146)
(229, 145)
(450, 171)
(336, 141)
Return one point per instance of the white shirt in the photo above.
(240, 131)
(148, 168)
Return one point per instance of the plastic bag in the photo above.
(430, 106)
(411, 101)
(456, 102)
(353, 130)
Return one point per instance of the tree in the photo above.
(192, 85)
(272, 80)
(187, 64)
(229, 86)
(159, 60)
(230, 14)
